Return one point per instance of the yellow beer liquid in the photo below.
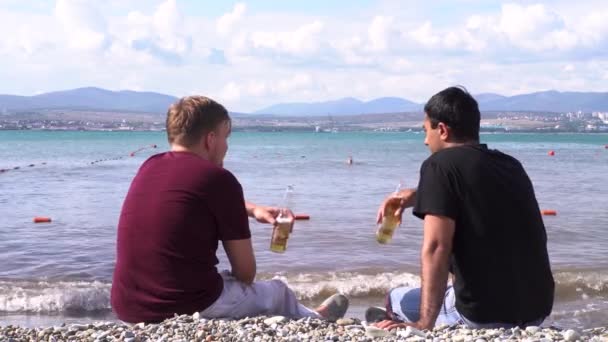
(389, 223)
(280, 234)
(386, 230)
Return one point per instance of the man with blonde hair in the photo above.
(180, 205)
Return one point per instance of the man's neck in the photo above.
(460, 143)
(181, 148)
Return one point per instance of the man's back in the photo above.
(168, 235)
(499, 249)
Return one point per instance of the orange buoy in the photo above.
(548, 212)
(40, 219)
(302, 217)
(551, 153)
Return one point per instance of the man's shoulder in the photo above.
(447, 157)
(188, 166)
(465, 155)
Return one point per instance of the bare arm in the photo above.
(242, 260)
(436, 250)
(265, 214)
(250, 208)
(403, 200)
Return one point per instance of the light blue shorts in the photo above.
(403, 304)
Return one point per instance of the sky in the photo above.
(252, 54)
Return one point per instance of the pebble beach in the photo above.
(278, 328)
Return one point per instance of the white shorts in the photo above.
(268, 298)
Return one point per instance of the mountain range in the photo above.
(132, 101)
(545, 101)
(90, 98)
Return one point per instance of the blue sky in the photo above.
(251, 54)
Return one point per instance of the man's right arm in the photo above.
(242, 259)
(406, 198)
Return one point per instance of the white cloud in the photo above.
(84, 26)
(424, 35)
(161, 35)
(305, 39)
(524, 22)
(226, 22)
(593, 27)
(230, 93)
(250, 59)
(285, 86)
(379, 33)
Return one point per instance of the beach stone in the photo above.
(196, 316)
(457, 338)
(345, 321)
(103, 335)
(441, 327)
(274, 320)
(376, 332)
(492, 333)
(530, 339)
(571, 335)
(465, 331)
(531, 330)
(415, 332)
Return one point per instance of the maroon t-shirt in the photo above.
(177, 209)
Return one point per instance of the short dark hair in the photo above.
(191, 117)
(456, 108)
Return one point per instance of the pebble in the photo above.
(571, 335)
(345, 321)
(279, 328)
(274, 320)
(375, 332)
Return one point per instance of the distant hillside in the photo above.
(552, 101)
(148, 102)
(91, 99)
(345, 106)
(488, 97)
(549, 101)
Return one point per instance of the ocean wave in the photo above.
(83, 296)
(54, 297)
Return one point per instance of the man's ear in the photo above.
(209, 140)
(444, 131)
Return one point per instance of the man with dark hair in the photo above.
(180, 205)
(481, 221)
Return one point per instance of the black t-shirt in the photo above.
(499, 254)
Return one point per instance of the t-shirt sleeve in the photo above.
(436, 193)
(229, 209)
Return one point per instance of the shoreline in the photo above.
(278, 328)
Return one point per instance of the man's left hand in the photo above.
(390, 325)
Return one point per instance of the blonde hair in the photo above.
(191, 117)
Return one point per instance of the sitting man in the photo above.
(481, 221)
(180, 205)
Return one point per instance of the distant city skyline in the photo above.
(253, 54)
